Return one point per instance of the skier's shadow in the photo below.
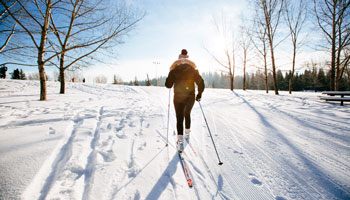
(164, 179)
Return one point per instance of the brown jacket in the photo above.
(183, 75)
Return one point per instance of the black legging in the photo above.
(183, 106)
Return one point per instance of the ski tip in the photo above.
(220, 163)
(189, 181)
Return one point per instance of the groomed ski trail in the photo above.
(114, 147)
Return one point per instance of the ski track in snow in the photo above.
(259, 158)
(112, 144)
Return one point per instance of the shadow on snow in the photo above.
(318, 174)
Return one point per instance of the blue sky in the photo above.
(168, 27)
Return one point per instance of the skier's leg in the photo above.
(188, 108)
(179, 109)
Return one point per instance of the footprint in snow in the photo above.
(280, 198)
(108, 156)
(109, 126)
(237, 152)
(137, 195)
(142, 146)
(52, 131)
(131, 124)
(122, 136)
(78, 170)
(256, 181)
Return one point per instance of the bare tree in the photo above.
(100, 79)
(333, 19)
(260, 42)
(245, 43)
(87, 28)
(295, 14)
(118, 80)
(36, 25)
(229, 62)
(272, 11)
(343, 41)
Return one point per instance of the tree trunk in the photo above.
(333, 51)
(62, 78)
(270, 37)
(231, 82)
(42, 76)
(62, 81)
(244, 69)
(266, 81)
(338, 74)
(293, 69)
(265, 65)
(233, 76)
(273, 69)
(41, 51)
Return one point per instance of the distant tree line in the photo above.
(314, 79)
(311, 79)
(160, 81)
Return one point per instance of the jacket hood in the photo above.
(183, 61)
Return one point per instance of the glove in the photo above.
(198, 97)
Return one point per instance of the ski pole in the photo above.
(205, 119)
(167, 132)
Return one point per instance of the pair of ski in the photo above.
(186, 170)
(185, 167)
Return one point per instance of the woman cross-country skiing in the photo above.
(183, 74)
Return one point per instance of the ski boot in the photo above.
(180, 143)
(187, 135)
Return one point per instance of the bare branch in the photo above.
(17, 21)
(8, 38)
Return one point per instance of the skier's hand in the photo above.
(198, 97)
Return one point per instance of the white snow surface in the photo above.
(108, 142)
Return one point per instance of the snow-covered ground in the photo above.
(108, 142)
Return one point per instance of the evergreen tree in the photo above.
(22, 75)
(321, 80)
(280, 80)
(296, 82)
(15, 74)
(136, 82)
(115, 80)
(3, 70)
(148, 82)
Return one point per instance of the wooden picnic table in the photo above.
(332, 96)
(335, 93)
